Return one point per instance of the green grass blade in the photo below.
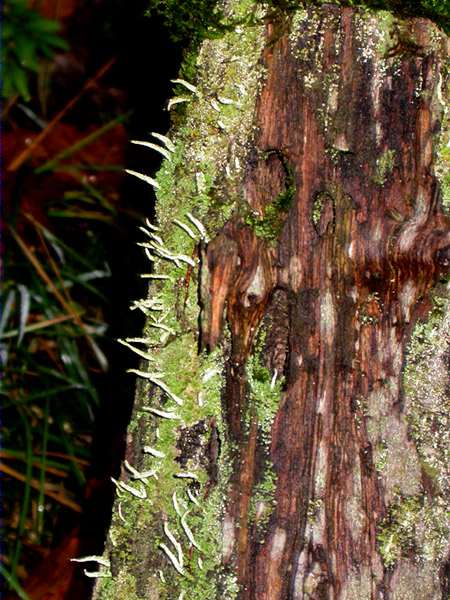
(17, 454)
(26, 494)
(7, 307)
(68, 152)
(42, 476)
(13, 583)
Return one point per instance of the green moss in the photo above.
(318, 206)
(126, 590)
(265, 394)
(192, 21)
(446, 182)
(262, 501)
(209, 578)
(270, 225)
(384, 166)
(169, 493)
(381, 456)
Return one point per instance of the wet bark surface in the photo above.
(358, 250)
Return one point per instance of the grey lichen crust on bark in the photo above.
(241, 336)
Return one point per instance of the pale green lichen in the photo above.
(414, 524)
(396, 534)
(426, 382)
(445, 180)
(419, 521)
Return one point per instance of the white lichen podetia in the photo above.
(172, 248)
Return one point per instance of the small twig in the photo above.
(151, 226)
(175, 504)
(274, 379)
(120, 513)
(39, 325)
(154, 276)
(137, 351)
(163, 252)
(161, 326)
(97, 574)
(176, 100)
(172, 558)
(187, 475)
(151, 235)
(224, 100)
(153, 377)
(199, 225)
(186, 84)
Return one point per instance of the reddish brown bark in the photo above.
(351, 271)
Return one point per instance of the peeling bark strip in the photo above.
(358, 249)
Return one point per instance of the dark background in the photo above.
(135, 85)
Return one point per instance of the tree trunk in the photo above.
(292, 397)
